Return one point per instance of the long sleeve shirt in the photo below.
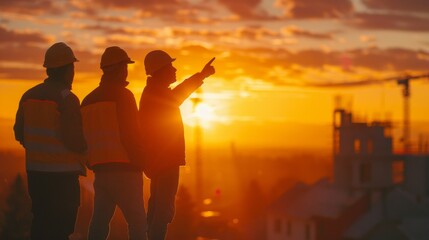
(127, 117)
(71, 132)
(162, 125)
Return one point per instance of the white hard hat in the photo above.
(156, 60)
(59, 55)
(114, 55)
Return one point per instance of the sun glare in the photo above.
(204, 115)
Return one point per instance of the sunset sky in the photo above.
(268, 53)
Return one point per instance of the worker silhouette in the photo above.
(163, 135)
(111, 127)
(49, 126)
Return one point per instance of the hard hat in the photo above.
(59, 55)
(114, 55)
(156, 60)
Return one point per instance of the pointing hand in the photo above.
(208, 69)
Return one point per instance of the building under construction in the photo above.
(375, 193)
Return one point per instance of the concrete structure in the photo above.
(375, 193)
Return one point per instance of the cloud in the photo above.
(132, 35)
(29, 7)
(130, 11)
(367, 39)
(160, 8)
(389, 22)
(114, 19)
(141, 3)
(89, 61)
(316, 9)
(247, 9)
(265, 63)
(24, 61)
(178, 11)
(21, 53)
(17, 73)
(12, 36)
(125, 41)
(4, 20)
(254, 33)
(398, 59)
(398, 5)
(284, 67)
(109, 30)
(21, 56)
(295, 31)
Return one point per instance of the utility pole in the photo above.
(198, 147)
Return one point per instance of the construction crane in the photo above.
(404, 82)
(406, 115)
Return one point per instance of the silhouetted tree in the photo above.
(17, 216)
(1, 222)
(183, 226)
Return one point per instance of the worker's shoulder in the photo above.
(46, 92)
(125, 94)
(94, 96)
(68, 97)
(125, 91)
(34, 91)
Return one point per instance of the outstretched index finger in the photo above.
(210, 62)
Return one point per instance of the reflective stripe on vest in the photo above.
(101, 131)
(43, 148)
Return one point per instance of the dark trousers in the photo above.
(161, 207)
(55, 201)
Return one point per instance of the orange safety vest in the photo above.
(43, 148)
(101, 130)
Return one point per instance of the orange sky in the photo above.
(267, 54)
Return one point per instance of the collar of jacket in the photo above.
(112, 81)
(58, 82)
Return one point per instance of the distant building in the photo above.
(395, 216)
(375, 193)
(319, 211)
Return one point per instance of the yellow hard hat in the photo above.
(156, 60)
(114, 55)
(59, 55)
